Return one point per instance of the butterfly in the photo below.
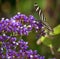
(41, 15)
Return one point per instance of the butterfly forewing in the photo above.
(41, 15)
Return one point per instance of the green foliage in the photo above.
(46, 41)
(58, 50)
(54, 40)
(57, 30)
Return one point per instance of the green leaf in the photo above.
(57, 30)
(58, 50)
(46, 41)
(56, 41)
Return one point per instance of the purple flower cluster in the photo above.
(10, 48)
(20, 24)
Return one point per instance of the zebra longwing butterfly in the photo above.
(41, 15)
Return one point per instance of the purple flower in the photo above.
(20, 24)
(10, 48)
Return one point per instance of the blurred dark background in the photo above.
(51, 10)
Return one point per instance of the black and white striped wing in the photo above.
(39, 11)
(41, 15)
